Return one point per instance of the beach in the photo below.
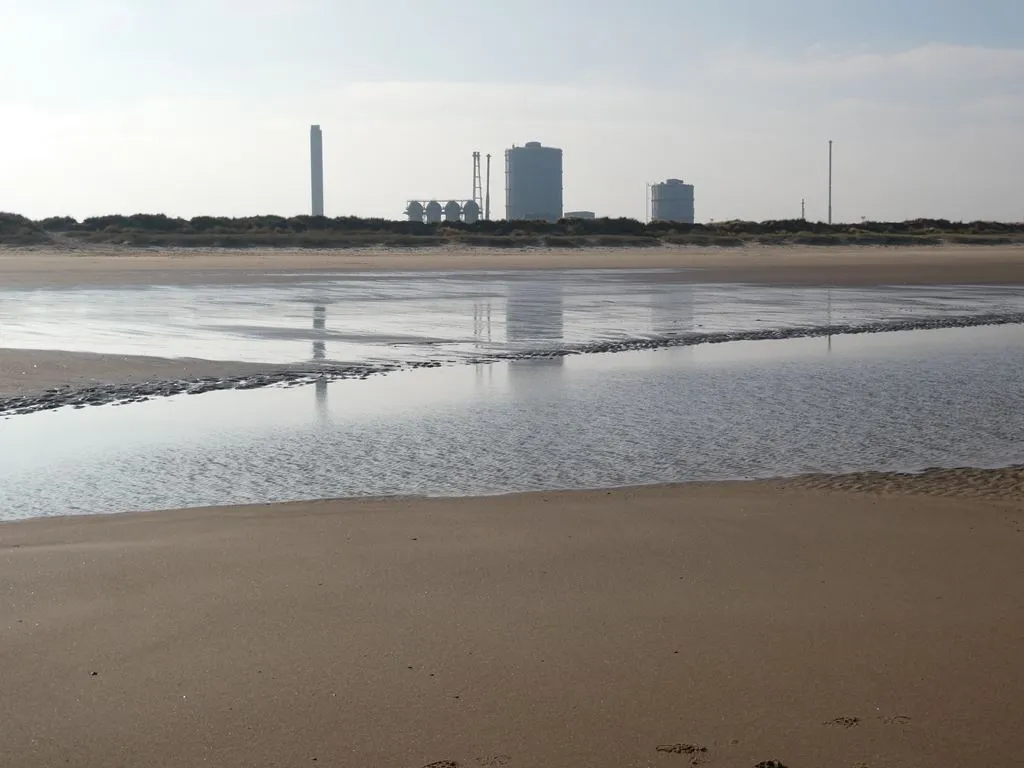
(633, 627)
(831, 265)
(30, 371)
(860, 620)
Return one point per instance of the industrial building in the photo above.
(672, 200)
(579, 215)
(468, 211)
(434, 211)
(316, 169)
(533, 183)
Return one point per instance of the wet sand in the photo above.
(603, 629)
(836, 265)
(28, 371)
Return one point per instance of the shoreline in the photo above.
(769, 265)
(630, 627)
(1001, 486)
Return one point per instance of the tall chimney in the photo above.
(316, 168)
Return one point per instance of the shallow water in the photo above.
(894, 401)
(449, 316)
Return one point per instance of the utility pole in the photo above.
(803, 210)
(830, 181)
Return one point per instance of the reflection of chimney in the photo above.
(319, 324)
(321, 399)
(316, 168)
(319, 353)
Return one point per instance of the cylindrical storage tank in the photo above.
(471, 212)
(672, 200)
(453, 211)
(533, 183)
(414, 211)
(433, 212)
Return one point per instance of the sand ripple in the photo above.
(1004, 483)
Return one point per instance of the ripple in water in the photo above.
(897, 401)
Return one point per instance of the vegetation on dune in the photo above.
(141, 230)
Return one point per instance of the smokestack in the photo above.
(316, 168)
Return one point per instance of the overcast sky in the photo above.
(203, 107)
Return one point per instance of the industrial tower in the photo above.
(316, 168)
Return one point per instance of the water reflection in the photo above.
(534, 310)
(319, 354)
(419, 317)
(753, 409)
(534, 318)
(673, 310)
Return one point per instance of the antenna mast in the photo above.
(478, 196)
(487, 200)
(830, 181)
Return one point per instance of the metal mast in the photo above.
(487, 200)
(830, 181)
(478, 195)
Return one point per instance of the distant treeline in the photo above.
(145, 229)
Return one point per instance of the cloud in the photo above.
(932, 131)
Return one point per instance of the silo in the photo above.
(672, 200)
(453, 211)
(433, 212)
(471, 212)
(414, 211)
(533, 183)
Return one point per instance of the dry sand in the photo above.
(599, 629)
(836, 265)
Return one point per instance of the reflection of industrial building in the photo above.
(533, 183)
(533, 311)
(672, 310)
(533, 317)
(672, 200)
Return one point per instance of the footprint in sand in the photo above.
(895, 719)
(443, 764)
(770, 764)
(844, 722)
(494, 761)
(696, 752)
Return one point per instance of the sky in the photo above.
(203, 107)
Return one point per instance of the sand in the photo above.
(32, 371)
(835, 265)
(607, 629)
(853, 621)
(28, 371)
